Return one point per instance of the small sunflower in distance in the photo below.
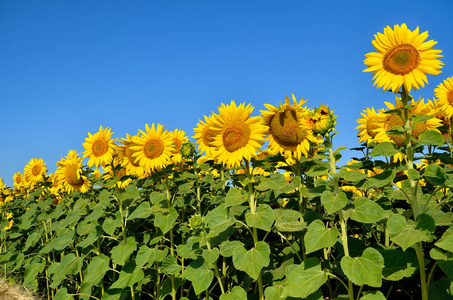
(204, 134)
(179, 137)
(288, 129)
(18, 180)
(238, 136)
(403, 59)
(153, 149)
(99, 147)
(35, 170)
(69, 173)
(444, 94)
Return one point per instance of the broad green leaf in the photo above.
(62, 294)
(227, 247)
(32, 239)
(441, 289)
(165, 221)
(446, 240)
(60, 242)
(218, 221)
(431, 137)
(96, 269)
(110, 224)
(235, 197)
(143, 211)
(122, 252)
(377, 181)
(351, 175)
(366, 269)
(199, 274)
(191, 249)
(384, 149)
(262, 219)
(444, 260)
(435, 175)
(129, 275)
(104, 197)
(95, 214)
(288, 220)
(33, 267)
(252, 261)
(367, 211)
(374, 295)
(407, 233)
(147, 256)
(398, 263)
(170, 265)
(237, 293)
(278, 184)
(319, 237)
(304, 279)
(69, 265)
(333, 203)
(211, 255)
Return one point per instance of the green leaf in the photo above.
(288, 220)
(121, 253)
(199, 274)
(69, 265)
(191, 249)
(278, 184)
(62, 294)
(60, 242)
(441, 289)
(366, 269)
(351, 175)
(407, 233)
(262, 219)
(377, 181)
(373, 295)
(444, 260)
(32, 239)
(384, 149)
(96, 269)
(143, 211)
(304, 279)
(165, 221)
(252, 261)
(235, 197)
(398, 263)
(435, 175)
(237, 293)
(227, 247)
(333, 203)
(110, 224)
(367, 211)
(147, 256)
(319, 237)
(129, 275)
(95, 214)
(218, 221)
(431, 137)
(211, 255)
(446, 240)
(170, 266)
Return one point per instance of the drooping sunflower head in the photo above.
(35, 171)
(153, 148)
(70, 174)
(322, 120)
(179, 137)
(204, 135)
(99, 147)
(238, 136)
(288, 128)
(444, 94)
(403, 59)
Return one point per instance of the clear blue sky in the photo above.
(67, 67)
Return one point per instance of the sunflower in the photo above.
(18, 180)
(69, 174)
(204, 134)
(368, 124)
(179, 137)
(444, 94)
(35, 170)
(125, 155)
(99, 147)
(122, 172)
(289, 131)
(403, 59)
(238, 136)
(389, 121)
(322, 120)
(153, 149)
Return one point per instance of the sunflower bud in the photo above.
(322, 120)
(196, 222)
(187, 149)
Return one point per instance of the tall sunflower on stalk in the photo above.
(179, 137)
(204, 135)
(237, 135)
(288, 129)
(70, 175)
(35, 171)
(153, 148)
(128, 161)
(403, 59)
(99, 147)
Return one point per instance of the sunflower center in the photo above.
(18, 179)
(71, 175)
(36, 170)
(177, 144)
(393, 121)
(419, 129)
(154, 148)
(236, 135)
(131, 159)
(99, 147)
(370, 127)
(401, 59)
(450, 96)
(285, 128)
(208, 137)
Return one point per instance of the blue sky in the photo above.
(67, 67)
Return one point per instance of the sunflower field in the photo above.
(257, 207)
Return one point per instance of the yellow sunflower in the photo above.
(130, 163)
(444, 94)
(238, 136)
(403, 59)
(368, 125)
(389, 121)
(322, 120)
(18, 180)
(99, 147)
(153, 149)
(69, 174)
(108, 173)
(35, 170)
(204, 134)
(289, 131)
(179, 137)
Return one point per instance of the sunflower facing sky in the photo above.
(289, 131)
(99, 147)
(444, 95)
(238, 136)
(153, 148)
(403, 59)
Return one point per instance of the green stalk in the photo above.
(413, 184)
(172, 246)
